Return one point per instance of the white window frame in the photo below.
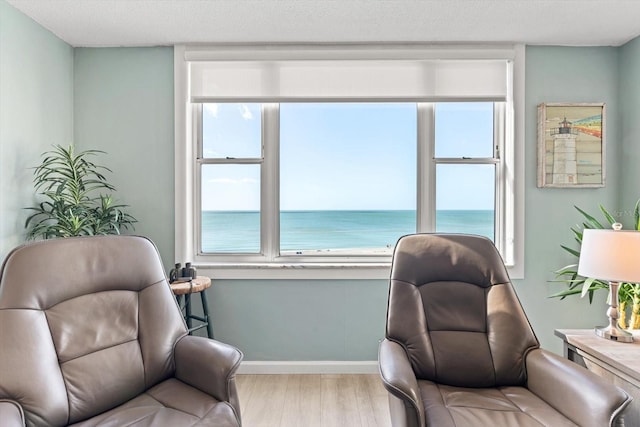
(509, 212)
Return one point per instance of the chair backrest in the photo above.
(453, 308)
(85, 325)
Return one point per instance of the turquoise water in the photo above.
(307, 230)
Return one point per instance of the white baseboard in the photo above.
(308, 367)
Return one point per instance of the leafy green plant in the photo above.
(76, 199)
(627, 292)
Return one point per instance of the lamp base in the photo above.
(614, 334)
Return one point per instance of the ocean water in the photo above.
(327, 230)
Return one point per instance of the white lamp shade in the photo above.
(612, 255)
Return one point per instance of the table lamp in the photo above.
(614, 256)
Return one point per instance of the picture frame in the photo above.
(571, 145)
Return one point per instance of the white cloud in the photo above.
(212, 109)
(246, 113)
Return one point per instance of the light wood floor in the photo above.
(324, 400)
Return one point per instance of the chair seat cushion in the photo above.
(447, 406)
(170, 403)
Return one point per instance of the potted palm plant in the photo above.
(75, 197)
(628, 293)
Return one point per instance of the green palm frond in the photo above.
(75, 199)
(591, 221)
(610, 219)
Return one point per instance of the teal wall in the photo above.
(301, 319)
(123, 105)
(563, 74)
(120, 100)
(629, 86)
(36, 111)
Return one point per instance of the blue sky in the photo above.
(347, 156)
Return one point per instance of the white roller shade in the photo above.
(290, 80)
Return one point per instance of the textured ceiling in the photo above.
(167, 22)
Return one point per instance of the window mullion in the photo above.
(197, 188)
(467, 161)
(503, 218)
(230, 161)
(426, 198)
(270, 182)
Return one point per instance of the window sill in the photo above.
(307, 271)
(284, 271)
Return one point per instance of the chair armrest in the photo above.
(585, 398)
(11, 414)
(209, 366)
(400, 380)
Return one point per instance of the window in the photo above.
(231, 158)
(299, 166)
(466, 157)
(347, 177)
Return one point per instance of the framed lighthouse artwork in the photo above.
(571, 145)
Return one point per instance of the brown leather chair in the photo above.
(91, 335)
(459, 350)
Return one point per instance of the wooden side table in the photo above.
(186, 289)
(615, 361)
